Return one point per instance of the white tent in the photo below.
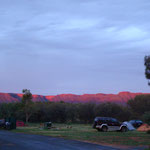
(129, 125)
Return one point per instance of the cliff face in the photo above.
(120, 98)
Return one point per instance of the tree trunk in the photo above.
(27, 117)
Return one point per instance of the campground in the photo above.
(85, 132)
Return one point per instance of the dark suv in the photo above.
(136, 123)
(108, 124)
(2, 123)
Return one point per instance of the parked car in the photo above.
(108, 124)
(2, 123)
(8, 123)
(47, 125)
(136, 123)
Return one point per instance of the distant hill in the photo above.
(120, 98)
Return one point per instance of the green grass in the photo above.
(86, 133)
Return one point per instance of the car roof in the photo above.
(136, 120)
(104, 118)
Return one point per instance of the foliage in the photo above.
(63, 112)
(112, 110)
(147, 67)
(86, 112)
(140, 104)
(27, 104)
(146, 117)
(8, 110)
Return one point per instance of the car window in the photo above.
(132, 121)
(139, 121)
(114, 120)
(96, 119)
(102, 119)
(108, 120)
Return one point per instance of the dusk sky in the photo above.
(74, 46)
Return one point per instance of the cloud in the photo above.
(76, 45)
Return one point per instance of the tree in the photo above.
(27, 104)
(146, 117)
(6, 110)
(112, 110)
(147, 69)
(140, 104)
(85, 112)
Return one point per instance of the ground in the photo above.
(20, 141)
(85, 133)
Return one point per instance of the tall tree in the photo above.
(140, 104)
(147, 69)
(27, 104)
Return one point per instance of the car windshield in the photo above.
(96, 119)
(99, 119)
(114, 120)
(139, 121)
(132, 121)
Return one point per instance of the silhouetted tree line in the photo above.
(61, 112)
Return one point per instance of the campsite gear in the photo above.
(20, 123)
(129, 125)
(47, 125)
(144, 128)
(7, 125)
(10, 123)
(136, 123)
(2, 123)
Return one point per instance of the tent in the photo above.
(129, 125)
(144, 128)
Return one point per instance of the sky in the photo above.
(74, 46)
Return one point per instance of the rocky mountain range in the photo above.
(120, 98)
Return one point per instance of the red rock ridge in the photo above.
(120, 98)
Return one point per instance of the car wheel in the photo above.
(124, 129)
(104, 129)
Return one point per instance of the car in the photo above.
(5, 125)
(136, 123)
(108, 124)
(2, 123)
